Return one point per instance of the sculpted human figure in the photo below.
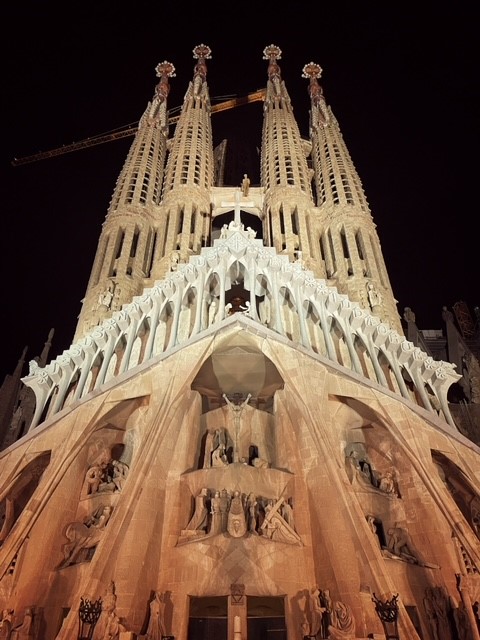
(120, 474)
(224, 504)
(398, 544)
(219, 457)
(25, 630)
(236, 521)
(252, 512)
(6, 624)
(93, 479)
(374, 297)
(200, 515)
(286, 511)
(343, 622)
(274, 525)
(209, 447)
(315, 611)
(245, 185)
(216, 513)
(387, 482)
(236, 410)
(85, 535)
(156, 623)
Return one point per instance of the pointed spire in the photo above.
(313, 71)
(201, 52)
(43, 359)
(165, 70)
(272, 53)
(350, 248)
(126, 249)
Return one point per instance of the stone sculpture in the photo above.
(85, 535)
(156, 622)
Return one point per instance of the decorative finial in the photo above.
(202, 51)
(164, 70)
(312, 70)
(272, 53)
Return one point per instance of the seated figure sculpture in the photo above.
(86, 535)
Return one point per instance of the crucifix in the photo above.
(236, 207)
(237, 414)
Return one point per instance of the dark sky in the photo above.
(403, 87)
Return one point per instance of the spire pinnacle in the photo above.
(313, 71)
(164, 71)
(201, 53)
(272, 53)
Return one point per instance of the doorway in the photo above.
(208, 619)
(266, 618)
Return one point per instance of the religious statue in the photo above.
(25, 630)
(245, 185)
(275, 527)
(200, 515)
(6, 624)
(236, 521)
(237, 413)
(156, 622)
(374, 297)
(85, 535)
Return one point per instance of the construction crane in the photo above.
(256, 96)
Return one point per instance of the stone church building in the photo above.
(240, 443)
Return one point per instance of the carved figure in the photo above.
(25, 630)
(85, 535)
(6, 624)
(286, 511)
(398, 544)
(94, 477)
(343, 622)
(387, 482)
(216, 512)
(408, 315)
(237, 414)
(209, 448)
(275, 527)
(327, 605)
(252, 510)
(105, 298)
(315, 611)
(113, 627)
(200, 515)
(156, 623)
(236, 521)
(374, 297)
(224, 506)
(212, 311)
(219, 457)
(245, 185)
(371, 524)
(120, 474)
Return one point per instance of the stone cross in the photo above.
(236, 206)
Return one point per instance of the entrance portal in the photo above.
(208, 618)
(266, 618)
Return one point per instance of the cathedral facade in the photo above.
(240, 443)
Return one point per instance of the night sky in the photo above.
(403, 86)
